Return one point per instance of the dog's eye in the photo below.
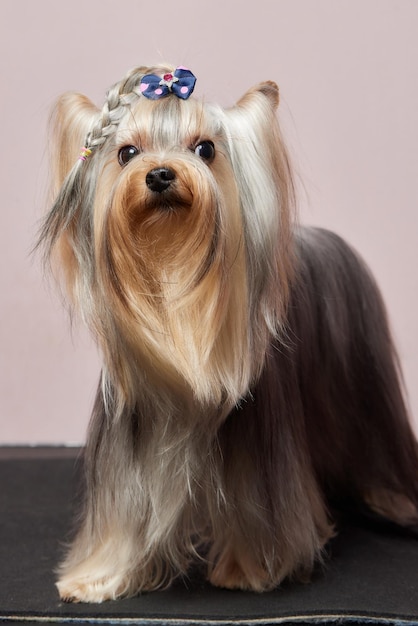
(205, 150)
(127, 153)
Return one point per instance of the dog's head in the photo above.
(172, 227)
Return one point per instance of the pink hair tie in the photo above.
(85, 152)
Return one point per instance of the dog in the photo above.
(250, 384)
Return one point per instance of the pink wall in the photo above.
(347, 71)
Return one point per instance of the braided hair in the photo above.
(76, 193)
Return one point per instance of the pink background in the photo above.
(348, 76)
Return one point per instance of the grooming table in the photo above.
(370, 576)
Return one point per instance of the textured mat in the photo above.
(371, 575)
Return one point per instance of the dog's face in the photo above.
(173, 236)
(172, 212)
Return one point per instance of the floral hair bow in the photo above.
(181, 82)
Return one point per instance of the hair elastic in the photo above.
(85, 152)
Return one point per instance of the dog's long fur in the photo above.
(249, 378)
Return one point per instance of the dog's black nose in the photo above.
(160, 178)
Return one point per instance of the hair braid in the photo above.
(74, 197)
(123, 94)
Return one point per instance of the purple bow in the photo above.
(181, 82)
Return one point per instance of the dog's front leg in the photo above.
(255, 547)
(122, 545)
(135, 530)
(98, 568)
(272, 521)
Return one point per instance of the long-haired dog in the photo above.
(249, 379)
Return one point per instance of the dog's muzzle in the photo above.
(160, 178)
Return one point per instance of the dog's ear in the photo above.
(255, 113)
(262, 170)
(267, 91)
(71, 119)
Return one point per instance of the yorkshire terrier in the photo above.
(249, 377)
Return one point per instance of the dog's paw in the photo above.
(229, 573)
(90, 590)
(231, 577)
(395, 506)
